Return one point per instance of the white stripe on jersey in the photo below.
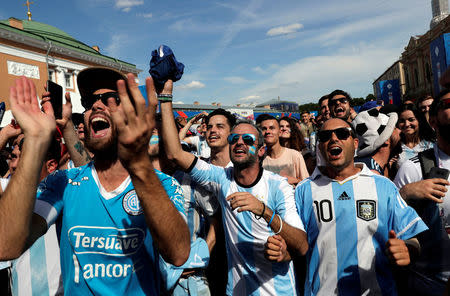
(326, 242)
(53, 260)
(410, 224)
(24, 278)
(366, 229)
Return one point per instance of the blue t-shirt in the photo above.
(347, 223)
(106, 246)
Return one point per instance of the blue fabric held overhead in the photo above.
(164, 66)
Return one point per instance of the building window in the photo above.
(68, 80)
(428, 73)
(51, 75)
(416, 76)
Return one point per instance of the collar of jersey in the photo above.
(109, 194)
(364, 172)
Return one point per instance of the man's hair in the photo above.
(304, 111)
(54, 151)
(342, 93)
(434, 105)
(264, 117)
(323, 98)
(230, 117)
(258, 129)
(424, 98)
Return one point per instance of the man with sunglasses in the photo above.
(428, 192)
(116, 215)
(255, 203)
(339, 103)
(353, 219)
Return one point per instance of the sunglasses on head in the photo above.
(341, 133)
(335, 101)
(249, 139)
(88, 102)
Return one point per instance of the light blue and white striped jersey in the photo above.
(37, 271)
(347, 223)
(250, 273)
(106, 247)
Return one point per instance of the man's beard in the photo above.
(107, 150)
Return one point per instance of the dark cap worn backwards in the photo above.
(91, 79)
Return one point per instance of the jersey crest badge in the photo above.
(366, 209)
(131, 203)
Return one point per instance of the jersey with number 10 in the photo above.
(347, 223)
(106, 247)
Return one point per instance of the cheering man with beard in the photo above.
(116, 216)
(250, 198)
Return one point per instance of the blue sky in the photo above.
(246, 51)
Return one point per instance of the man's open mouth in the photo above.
(99, 126)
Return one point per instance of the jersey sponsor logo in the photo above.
(366, 209)
(344, 196)
(108, 241)
(131, 203)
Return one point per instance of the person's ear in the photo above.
(51, 166)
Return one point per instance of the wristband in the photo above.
(281, 225)
(262, 213)
(271, 218)
(165, 97)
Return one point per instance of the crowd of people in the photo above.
(122, 200)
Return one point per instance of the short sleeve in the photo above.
(209, 176)
(173, 190)
(403, 219)
(286, 207)
(409, 172)
(49, 200)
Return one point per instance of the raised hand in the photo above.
(26, 111)
(66, 109)
(134, 120)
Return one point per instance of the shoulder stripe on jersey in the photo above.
(415, 159)
(408, 226)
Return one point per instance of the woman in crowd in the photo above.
(415, 133)
(290, 136)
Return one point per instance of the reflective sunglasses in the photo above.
(249, 139)
(341, 133)
(88, 102)
(334, 102)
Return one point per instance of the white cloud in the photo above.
(250, 98)
(236, 80)
(352, 69)
(283, 30)
(192, 85)
(178, 102)
(145, 15)
(126, 5)
(259, 70)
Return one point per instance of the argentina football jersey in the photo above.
(106, 247)
(347, 223)
(249, 272)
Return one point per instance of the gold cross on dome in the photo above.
(29, 12)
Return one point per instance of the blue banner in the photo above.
(389, 91)
(440, 59)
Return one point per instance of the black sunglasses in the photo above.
(88, 102)
(335, 101)
(248, 139)
(341, 133)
